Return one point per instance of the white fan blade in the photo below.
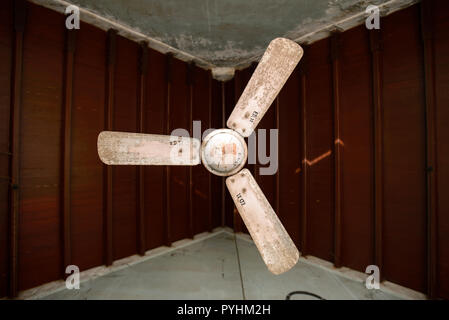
(276, 65)
(275, 245)
(125, 148)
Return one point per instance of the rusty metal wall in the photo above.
(71, 208)
(363, 149)
(6, 58)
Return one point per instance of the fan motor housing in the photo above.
(224, 152)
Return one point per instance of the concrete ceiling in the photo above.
(224, 33)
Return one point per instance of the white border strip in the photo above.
(385, 286)
(91, 274)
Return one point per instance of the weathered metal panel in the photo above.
(320, 152)
(288, 192)
(40, 256)
(441, 47)
(69, 60)
(87, 231)
(404, 154)
(154, 175)
(356, 142)
(6, 77)
(124, 188)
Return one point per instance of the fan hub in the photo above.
(224, 152)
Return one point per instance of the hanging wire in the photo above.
(304, 293)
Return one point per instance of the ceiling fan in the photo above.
(224, 153)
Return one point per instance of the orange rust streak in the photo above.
(319, 158)
(199, 193)
(340, 142)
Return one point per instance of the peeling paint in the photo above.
(224, 33)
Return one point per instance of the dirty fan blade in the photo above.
(125, 148)
(273, 70)
(272, 240)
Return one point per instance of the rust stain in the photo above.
(199, 193)
(229, 148)
(317, 159)
(178, 181)
(340, 142)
